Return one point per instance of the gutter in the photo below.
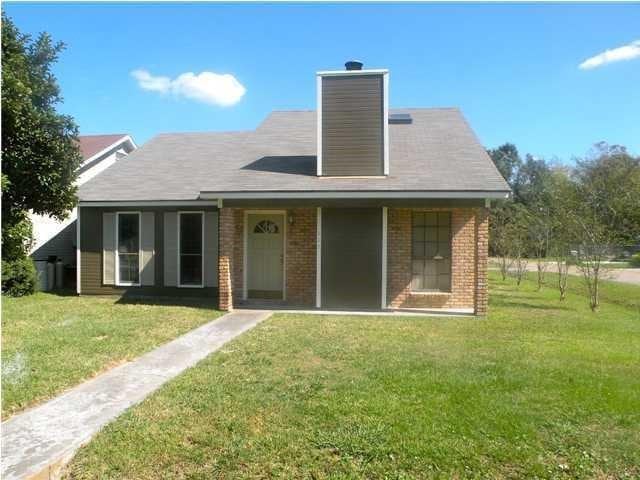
(358, 194)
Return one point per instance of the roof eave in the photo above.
(359, 194)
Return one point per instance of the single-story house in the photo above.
(351, 206)
(57, 238)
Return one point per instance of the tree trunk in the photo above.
(595, 300)
(503, 267)
(563, 271)
(540, 274)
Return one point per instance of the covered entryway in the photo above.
(351, 258)
(265, 255)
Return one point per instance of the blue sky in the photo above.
(512, 69)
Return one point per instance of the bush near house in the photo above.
(19, 277)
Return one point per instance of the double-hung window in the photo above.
(128, 248)
(190, 251)
(431, 252)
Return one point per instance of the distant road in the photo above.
(625, 275)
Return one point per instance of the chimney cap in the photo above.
(353, 65)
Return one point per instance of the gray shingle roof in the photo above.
(437, 152)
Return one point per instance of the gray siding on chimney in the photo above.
(352, 125)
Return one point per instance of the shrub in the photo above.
(635, 260)
(19, 277)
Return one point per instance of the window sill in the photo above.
(190, 286)
(429, 292)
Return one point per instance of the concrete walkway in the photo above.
(38, 442)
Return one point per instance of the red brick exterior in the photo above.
(482, 256)
(226, 244)
(469, 259)
(469, 243)
(300, 256)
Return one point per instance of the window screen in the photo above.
(128, 248)
(431, 251)
(191, 249)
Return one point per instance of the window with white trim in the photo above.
(128, 248)
(191, 254)
(431, 252)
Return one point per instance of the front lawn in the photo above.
(52, 342)
(539, 389)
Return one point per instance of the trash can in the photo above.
(59, 274)
(41, 269)
(51, 276)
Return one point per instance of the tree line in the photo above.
(565, 215)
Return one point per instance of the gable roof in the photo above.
(90, 145)
(438, 152)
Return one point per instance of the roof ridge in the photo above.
(104, 135)
(204, 132)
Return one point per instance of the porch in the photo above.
(346, 259)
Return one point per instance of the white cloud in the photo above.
(149, 82)
(213, 88)
(626, 52)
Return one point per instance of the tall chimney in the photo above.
(353, 122)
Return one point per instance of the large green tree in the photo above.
(40, 153)
(611, 177)
(507, 161)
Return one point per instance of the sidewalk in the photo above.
(39, 442)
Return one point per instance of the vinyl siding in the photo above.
(91, 256)
(61, 245)
(352, 125)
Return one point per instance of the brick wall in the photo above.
(468, 276)
(482, 254)
(300, 255)
(225, 258)
(238, 253)
(468, 243)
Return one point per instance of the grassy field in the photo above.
(52, 342)
(540, 389)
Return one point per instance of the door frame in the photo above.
(245, 249)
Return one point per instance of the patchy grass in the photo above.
(540, 389)
(52, 342)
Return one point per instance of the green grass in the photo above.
(618, 264)
(52, 342)
(540, 389)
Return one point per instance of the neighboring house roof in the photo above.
(90, 145)
(99, 153)
(438, 152)
(97, 148)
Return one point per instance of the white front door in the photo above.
(265, 255)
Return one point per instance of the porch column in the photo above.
(225, 259)
(482, 259)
